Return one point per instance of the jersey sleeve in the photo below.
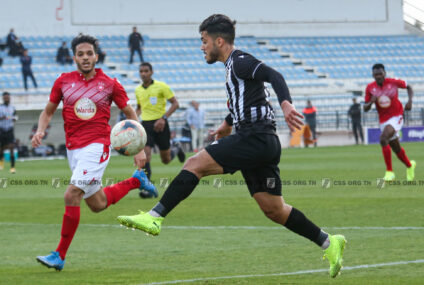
(56, 92)
(167, 92)
(245, 66)
(399, 83)
(367, 94)
(119, 95)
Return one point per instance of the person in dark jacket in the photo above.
(26, 61)
(135, 43)
(63, 56)
(355, 115)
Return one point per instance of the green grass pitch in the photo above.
(219, 235)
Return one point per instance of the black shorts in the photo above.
(6, 137)
(161, 139)
(257, 156)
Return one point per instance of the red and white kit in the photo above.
(389, 108)
(86, 113)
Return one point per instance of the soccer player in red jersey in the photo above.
(87, 95)
(384, 93)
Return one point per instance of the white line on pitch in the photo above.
(221, 227)
(363, 266)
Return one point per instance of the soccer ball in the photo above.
(128, 137)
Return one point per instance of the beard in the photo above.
(213, 56)
(85, 71)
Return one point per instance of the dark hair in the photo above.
(6, 93)
(219, 25)
(147, 64)
(84, 39)
(378, 66)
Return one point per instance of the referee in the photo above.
(152, 96)
(254, 148)
(7, 138)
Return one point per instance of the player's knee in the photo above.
(272, 212)
(166, 160)
(384, 140)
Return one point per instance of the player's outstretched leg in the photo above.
(52, 260)
(334, 253)
(179, 189)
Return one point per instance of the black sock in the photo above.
(12, 159)
(174, 151)
(148, 170)
(180, 188)
(298, 223)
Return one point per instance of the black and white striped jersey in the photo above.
(248, 98)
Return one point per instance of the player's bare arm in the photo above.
(408, 105)
(367, 106)
(140, 158)
(291, 116)
(43, 122)
(160, 123)
(138, 111)
(223, 130)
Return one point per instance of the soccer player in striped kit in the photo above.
(254, 148)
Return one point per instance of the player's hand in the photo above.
(292, 116)
(140, 159)
(408, 105)
(373, 99)
(36, 139)
(223, 130)
(159, 125)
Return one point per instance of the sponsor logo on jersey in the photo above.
(85, 109)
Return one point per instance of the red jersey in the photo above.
(388, 104)
(86, 106)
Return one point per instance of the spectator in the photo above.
(355, 115)
(135, 43)
(63, 55)
(11, 39)
(102, 54)
(26, 61)
(196, 120)
(1, 61)
(16, 48)
(310, 113)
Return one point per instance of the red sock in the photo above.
(402, 156)
(117, 191)
(69, 227)
(387, 154)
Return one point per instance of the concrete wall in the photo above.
(180, 18)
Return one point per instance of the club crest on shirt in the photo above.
(85, 109)
(100, 86)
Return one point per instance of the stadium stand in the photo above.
(327, 70)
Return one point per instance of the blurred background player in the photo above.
(87, 133)
(384, 93)
(152, 96)
(355, 115)
(196, 120)
(254, 149)
(7, 138)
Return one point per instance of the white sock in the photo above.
(326, 244)
(155, 214)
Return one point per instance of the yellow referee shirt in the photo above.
(152, 100)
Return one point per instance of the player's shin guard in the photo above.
(402, 157)
(387, 154)
(179, 189)
(298, 223)
(116, 192)
(69, 227)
